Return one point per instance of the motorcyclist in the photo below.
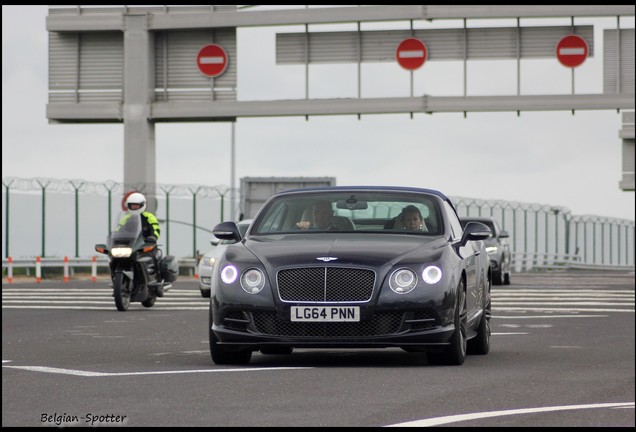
(136, 204)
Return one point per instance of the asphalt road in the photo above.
(562, 354)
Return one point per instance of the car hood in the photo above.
(374, 250)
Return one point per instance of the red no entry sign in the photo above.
(572, 50)
(212, 60)
(411, 53)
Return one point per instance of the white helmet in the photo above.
(136, 200)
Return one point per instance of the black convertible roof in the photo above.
(366, 188)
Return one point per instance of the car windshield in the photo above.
(350, 211)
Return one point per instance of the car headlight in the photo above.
(403, 281)
(121, 252)
(229, 274)
(491, 250)
(252, 281)
(208, 261)
(432, 274)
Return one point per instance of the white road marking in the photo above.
(508, 334)
(76, 372)
(547, 316)
(464, 417)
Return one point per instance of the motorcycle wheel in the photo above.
(121, 288)
(149, 302)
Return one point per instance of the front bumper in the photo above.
(204, 282)
(391, 328)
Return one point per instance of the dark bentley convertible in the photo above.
(353, 267)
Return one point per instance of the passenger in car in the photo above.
(410, 219)
(322, 215)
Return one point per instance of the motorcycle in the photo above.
(138, 269)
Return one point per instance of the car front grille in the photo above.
(325, 284)
(380, 324)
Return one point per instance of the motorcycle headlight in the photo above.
(432, 274)
(121, 252)
(491, 250)
(403, 281)
(253, 281)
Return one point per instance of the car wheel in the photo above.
(205, 293)
(480, 344)
(497, 278)
(283, 350)
(222, 355)
(226, 355)
(505, 271)
(455, 353)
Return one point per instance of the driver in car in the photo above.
(322, 214)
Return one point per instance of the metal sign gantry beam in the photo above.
(136, 65)
(165, 17)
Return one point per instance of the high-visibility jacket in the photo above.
(149, 224)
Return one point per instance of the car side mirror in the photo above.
(227, 231)
(503, 234)
(475, 231)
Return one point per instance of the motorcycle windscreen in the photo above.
(127, 229)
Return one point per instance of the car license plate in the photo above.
(325, 313)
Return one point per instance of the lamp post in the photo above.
(567, 217)
(556, 211)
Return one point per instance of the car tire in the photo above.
(497, 278)
(226, 355)
(221, 355)
(506, 280)
(480, 344)
(455, 353)
(205, 293)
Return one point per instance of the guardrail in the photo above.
(69, 266)
(521, 262)
(524, 262)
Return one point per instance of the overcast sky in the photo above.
(553, 158)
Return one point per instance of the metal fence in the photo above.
(53, 218)
(545, 236)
